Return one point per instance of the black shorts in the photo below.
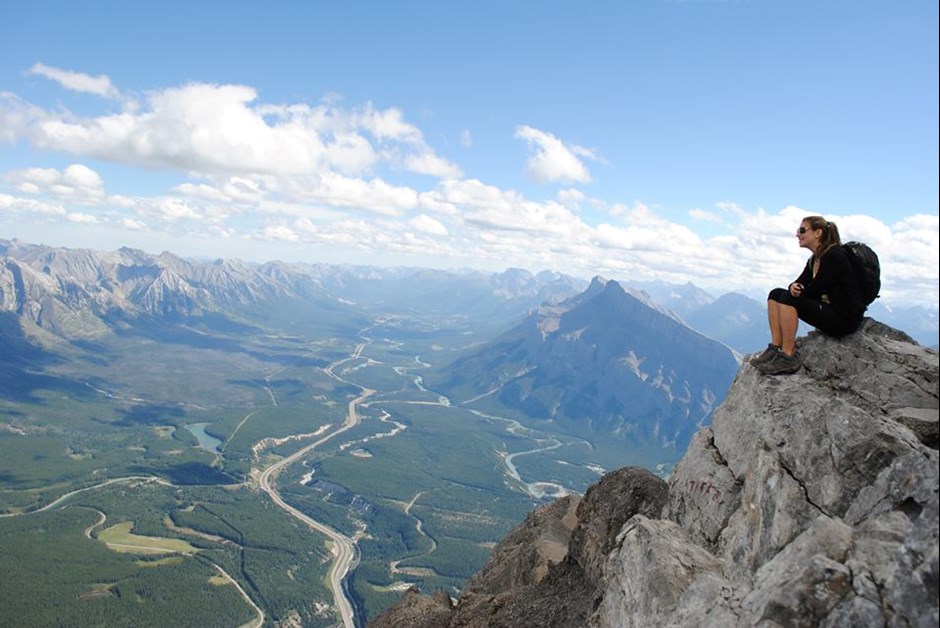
(820, 315)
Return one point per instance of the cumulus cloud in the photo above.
(387, 124)
(228, 189)
(429, 163)
(280, 232)
(374, 196)
(222, 129)
(76, 184)
(10, 203)
(77, 81)
(173, 209)
(83, 218)
(551, 160)
(426, 224)
(242, 148)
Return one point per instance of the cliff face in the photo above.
(811, 500)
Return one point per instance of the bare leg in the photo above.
(783, 321)
(773, 317)
(789, 321)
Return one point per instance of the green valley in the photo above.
(116, 512)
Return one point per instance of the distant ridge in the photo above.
(76, 293)
(81, 289)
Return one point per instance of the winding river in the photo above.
(343, 548)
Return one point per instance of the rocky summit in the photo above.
(811, 500)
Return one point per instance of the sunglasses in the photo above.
(802, 230)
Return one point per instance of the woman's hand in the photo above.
(796, 289)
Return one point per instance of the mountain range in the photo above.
(644, 364)
(586, 360)
(80, 292)
(604, 362)
(76, 291)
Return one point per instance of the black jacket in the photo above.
(835, 283)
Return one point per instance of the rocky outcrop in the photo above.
(418, 611)
(524, 556)
(811, 500)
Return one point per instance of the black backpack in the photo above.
(867, 270)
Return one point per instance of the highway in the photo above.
(343, 548)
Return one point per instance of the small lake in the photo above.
(206, 441)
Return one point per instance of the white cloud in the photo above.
(173, 209)
(429, 163)
(280, 232)
(552, 160)
(222, 129)
(375, 195)
(15, 117)
(244, 152)
(572, 198)
(201, 190)
(83, 218)
(425, 223)
(705, 216)
(388, 124)
(16, 204)
(471, 193)
(76, 184)
(76, 81)
(230, 189)
(132, 225)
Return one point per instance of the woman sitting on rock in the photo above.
(825, 296)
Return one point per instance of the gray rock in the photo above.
(648, 573)
(921, 421)
(703, 492)
(606, 506)
(812, 500)
(416, 611)
(804, 581)
(563, 599)
(523, 556)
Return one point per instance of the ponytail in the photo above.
(830, 233)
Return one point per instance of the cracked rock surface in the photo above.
(811, 500)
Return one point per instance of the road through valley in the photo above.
(343, 548)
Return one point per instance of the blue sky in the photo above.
(673, 140)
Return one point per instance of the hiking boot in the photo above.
(780, 364)
(766, 355)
